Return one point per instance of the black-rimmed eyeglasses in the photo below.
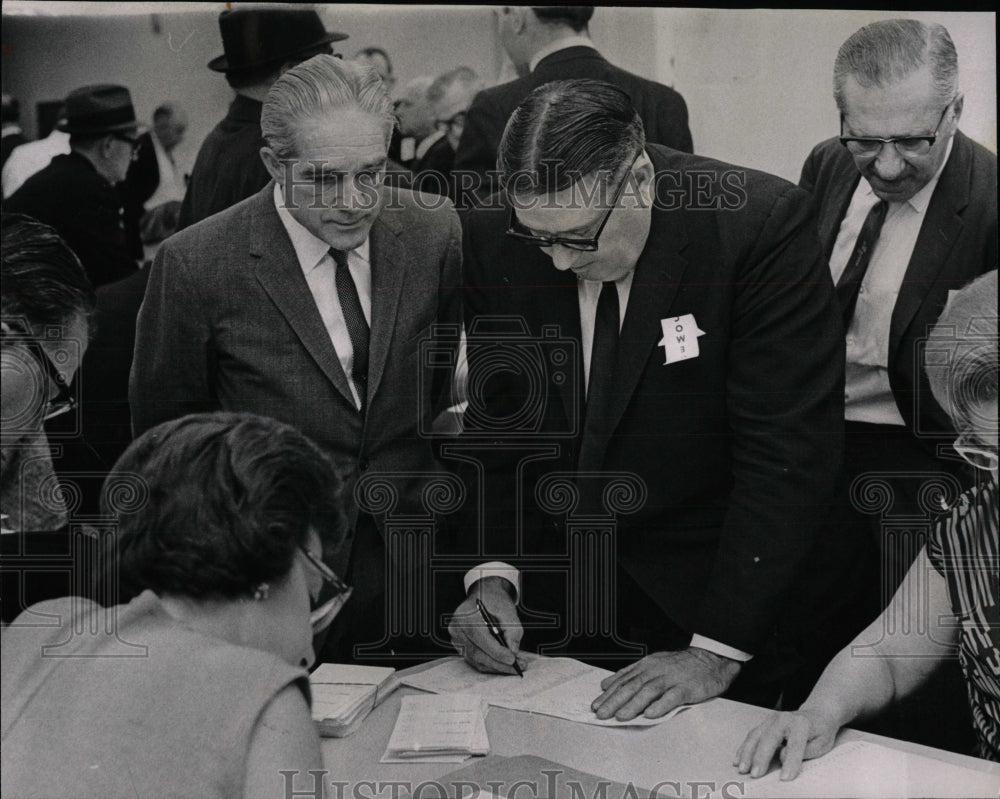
(456, 122)
(321, 614)
(63, 401)
(905, 145)
(589, 244)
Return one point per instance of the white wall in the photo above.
(757, 82)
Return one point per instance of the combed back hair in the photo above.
(567, 129)
(443, 82)
(962, 353)
(223, 502)
(164, 111)
(884, 53)
(43, 281)
(576, 17)
(317, 88)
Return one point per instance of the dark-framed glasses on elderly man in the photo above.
(457, 122)
(980, 455)
(323, 611)
(914, 146)
(63, 401)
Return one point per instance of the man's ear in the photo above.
(957, 104)
(645, 177)
(274, 165)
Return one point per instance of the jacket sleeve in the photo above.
(784, 388)
(172, 367)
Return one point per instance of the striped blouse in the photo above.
(964, 549)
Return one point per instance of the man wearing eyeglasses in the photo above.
(77, 193)
(449, 96)
(687, 291)
(907, 212)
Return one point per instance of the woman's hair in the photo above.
(43, 281)
(212, 505)
(961, 354)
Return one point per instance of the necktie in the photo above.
(357, 325)
(854, 273)
(600, 384)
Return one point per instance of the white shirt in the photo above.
(319, 269)
(868, 396)
(171, 185)
(578, 40)
(27, 159)
(588, 293)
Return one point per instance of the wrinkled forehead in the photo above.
(344, 140)
(905, 106)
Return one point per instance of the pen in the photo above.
(496, 632)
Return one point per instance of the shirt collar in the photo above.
(919, 201)
(309, 249)
(556, 46)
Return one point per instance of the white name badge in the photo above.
(680, 338)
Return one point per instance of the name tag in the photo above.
(680, 338)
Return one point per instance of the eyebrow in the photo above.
(309, 171)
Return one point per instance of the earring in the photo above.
(261, 592)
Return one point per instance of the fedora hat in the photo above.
(253, 38)
(102, 108)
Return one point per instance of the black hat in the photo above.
(253, 38)
(103, 108)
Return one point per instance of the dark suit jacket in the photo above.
(229, 323)
(737, 448)
(85, 209)
(228, 167)
(663, 111)
(432, 173)
(8, 143)
(957, 242)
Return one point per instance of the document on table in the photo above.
(560, 687)
(863, 769)
(445, 728)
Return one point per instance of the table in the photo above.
(694, 748)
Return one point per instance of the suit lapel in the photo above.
(938, 233)
(836, 204)
(279, 274)
(388, 265)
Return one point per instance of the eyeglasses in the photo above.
(517, 231)
(979, 455)
(64, 401)
(133, 141)
(457, 121)
(320, 615)
(905, 145)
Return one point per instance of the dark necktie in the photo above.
(854, 273)
(600, 384)
(354, 318)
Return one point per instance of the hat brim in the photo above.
(79, 130)
(221, 63)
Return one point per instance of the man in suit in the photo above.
(449, 96)
(77, 193)
(11, 135)
(906, 206)
(259, 44)
(154, 187)
(308, 302)
(696, 407)
(552, 43)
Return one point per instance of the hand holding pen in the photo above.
(497, 633)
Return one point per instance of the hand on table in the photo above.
(797, 736)
(660, 682)
(471, 637)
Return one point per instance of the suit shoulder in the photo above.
(408, 207)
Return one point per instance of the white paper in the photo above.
(560, 687)
(443, 728)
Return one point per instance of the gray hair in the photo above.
(961, 356)
(884, 53)
(441, 84)
(322, 85)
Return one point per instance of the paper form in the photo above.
(560, 687)
(445, 728)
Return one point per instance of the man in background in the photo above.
(154, 186)
(553, 43)
(259, 45)
(76, 193)
(32, 157)
(11, 135)
(308, 302)
(449, 96)
(906, 206)
(416, 122)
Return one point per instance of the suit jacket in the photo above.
(85, 209)
(663, 111)
(8, 143)
(140, 182)
(229, 323)
(957, 242)
(228, 167)
(736, 448)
